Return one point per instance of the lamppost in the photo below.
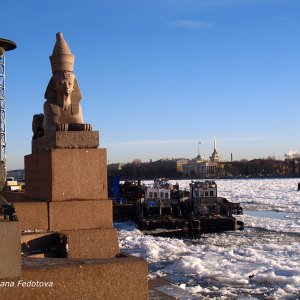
(5, 45)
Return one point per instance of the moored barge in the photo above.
(207, 213)
(157, 214)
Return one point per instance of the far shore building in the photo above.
(180, 163)
(202, 168)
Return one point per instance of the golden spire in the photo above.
(215, 144)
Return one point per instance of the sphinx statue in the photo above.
(62, 109)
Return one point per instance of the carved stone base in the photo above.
(66, 140)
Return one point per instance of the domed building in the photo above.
(202, 168)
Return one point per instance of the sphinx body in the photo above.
(62, 109)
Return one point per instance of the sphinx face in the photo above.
(64, 83)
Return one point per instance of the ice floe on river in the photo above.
(263, 261)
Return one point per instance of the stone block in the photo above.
(112, 279)
(38, 176)
(66, 174)
(72, 215)
(92, 243)
(66, 140)
(33, 216)
(10, 250)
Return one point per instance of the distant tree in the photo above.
(136, 161)
(247, 170)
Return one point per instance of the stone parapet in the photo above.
(117, 278)
(10, 259)
(66, 140)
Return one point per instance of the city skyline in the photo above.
(157, 77)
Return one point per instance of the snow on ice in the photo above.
(263, 261)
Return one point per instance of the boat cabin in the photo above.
(158, 196)
(203, 197)
(160, 192)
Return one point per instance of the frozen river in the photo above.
(261, 262)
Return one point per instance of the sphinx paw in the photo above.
(88, 127)
(62, 127)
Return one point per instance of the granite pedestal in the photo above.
(65, 212)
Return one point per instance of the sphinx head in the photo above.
(63, 83)
(62, 64)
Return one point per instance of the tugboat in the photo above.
(207, 213)
(158, 214)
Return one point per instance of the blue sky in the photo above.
(158, 76)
